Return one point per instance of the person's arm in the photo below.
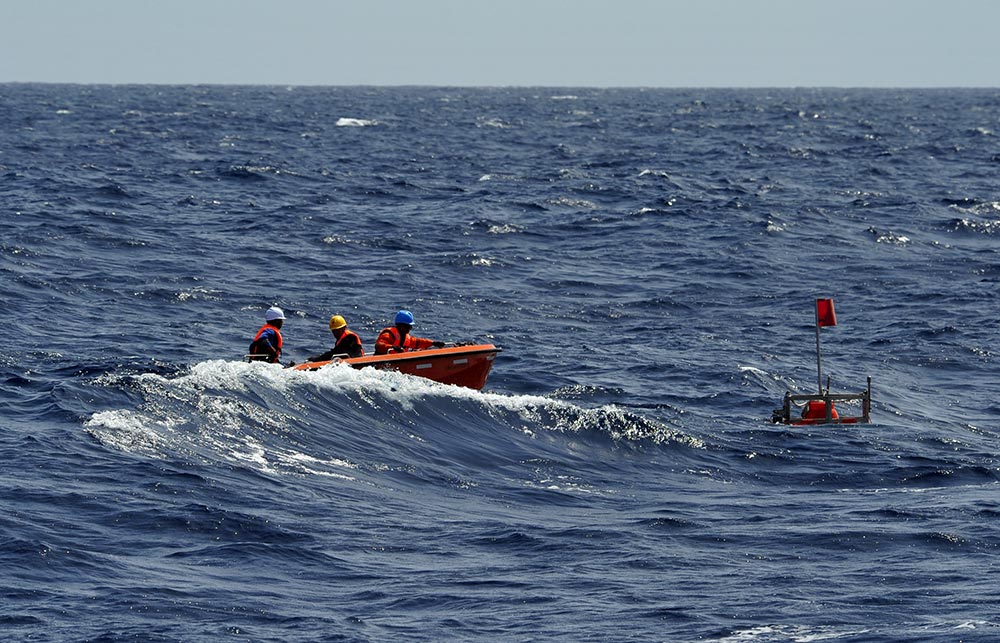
(420, 343)
(322, 357)
(270, 345)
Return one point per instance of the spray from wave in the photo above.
(284, 421)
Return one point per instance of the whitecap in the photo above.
(894, 239)
(535, 411)
(355, 122)
(126, 431)
(240, 412)
(505, 228)
(573, 203)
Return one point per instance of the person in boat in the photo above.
(397, 338)
(266, 344)
(347, 342)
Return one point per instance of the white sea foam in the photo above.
(893, 239)
(355, 122)
(217, 408)
(497, 176)
(979, 226)
(573, 203)
(126, 431)
(204, 294)
(774, 228)
(505, 228)
(793, 633)
(211, 409)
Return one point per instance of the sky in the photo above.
(555, 43)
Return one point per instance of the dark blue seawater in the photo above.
(647, 259)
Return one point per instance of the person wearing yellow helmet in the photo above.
(347, 342)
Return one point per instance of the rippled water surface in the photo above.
(648, 261)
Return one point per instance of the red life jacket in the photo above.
(253, 344)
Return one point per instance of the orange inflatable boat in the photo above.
(467, 366)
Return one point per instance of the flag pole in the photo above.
(819, 361)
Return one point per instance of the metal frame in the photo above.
(784, 414)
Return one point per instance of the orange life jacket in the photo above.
(253, 344)
(394, 339)
(347, 335)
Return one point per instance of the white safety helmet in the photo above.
(274, 313)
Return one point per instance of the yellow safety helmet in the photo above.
(337, 322)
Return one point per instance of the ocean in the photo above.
(647, 259)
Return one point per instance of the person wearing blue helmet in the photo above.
(397, 338)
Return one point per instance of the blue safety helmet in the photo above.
(404, 317)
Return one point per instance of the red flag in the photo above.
(825, 316)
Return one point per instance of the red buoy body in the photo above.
(816, 410)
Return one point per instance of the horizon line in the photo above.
(486, 86)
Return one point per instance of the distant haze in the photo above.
(653, 43)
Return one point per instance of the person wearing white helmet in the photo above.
(266, 344)
(397, 338)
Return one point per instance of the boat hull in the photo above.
(467, 366)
